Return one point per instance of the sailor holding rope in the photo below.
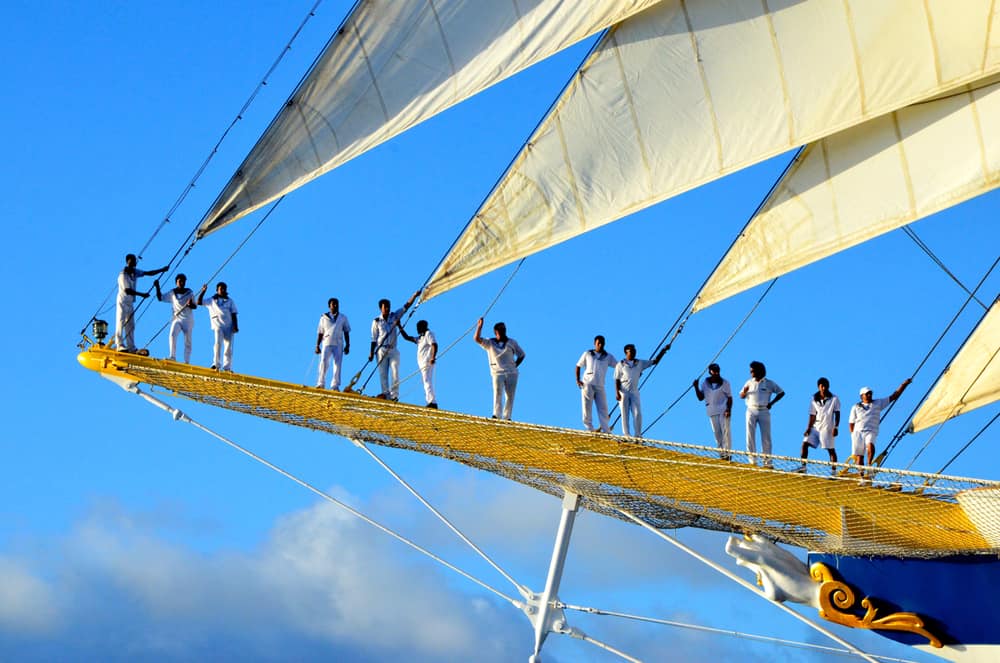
(124, 306)
(181, 300)
(385, 329)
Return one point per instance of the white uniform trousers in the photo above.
(388, 362)
(125, 327)
(861, 440)
(427, 374)
(223, 358)
(504, 386)
(595, 395)
(177, 326)
(762, 418)
(631, 408)
(722, 431)
(330, 354)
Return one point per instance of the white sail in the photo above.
(971, 380)
(868, 180)
(687, 92)
(394, 64)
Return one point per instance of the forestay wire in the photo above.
(239, 247)
(674, 331)
(904, 428)
(211, 155)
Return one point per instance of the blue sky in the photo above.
(124, 535)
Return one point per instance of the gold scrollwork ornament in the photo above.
(836, 598)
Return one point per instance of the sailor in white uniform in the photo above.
(757, 393)
(384, 336)
(505, 356)
(864, 421)
(824, 420)
(627, 374)
(595, 364)
(181, 300)
(124, 305)
(333, 341)
(427, 349)
(224, 318)
(718, 396)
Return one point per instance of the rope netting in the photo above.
(844, 509)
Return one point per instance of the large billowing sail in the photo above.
(394, 64)
(868, 180)
(972, 379)
(687, 92)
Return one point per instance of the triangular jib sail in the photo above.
(394, 64)
(868, 180)
(971, 380)
(687, 92)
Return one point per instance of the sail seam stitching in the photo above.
(640, 142)
(569, 168)
(905, 165)
(371, 70)
(934, 49)
(447, 48)
(849, 16)
(781, 71)
(705, 87)
(983, 159)
(989, 34)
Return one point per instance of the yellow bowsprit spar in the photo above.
(666, 485)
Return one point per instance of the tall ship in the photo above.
(864, 118)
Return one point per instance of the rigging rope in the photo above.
(937, 261)
(201, 169)
(489, 308)
(688, 311)
(729, 340)
(239, 247)
(904, 428)
(969, 443)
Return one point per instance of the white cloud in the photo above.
(27, 603)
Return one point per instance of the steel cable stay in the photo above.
(960, 400)
(211, 155)
(740, 581)
(903, 429)
(972, 297)
(726, 632)
(178, 415)
(969, 443)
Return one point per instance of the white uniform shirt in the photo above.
(865, 417)
(628, 372)
(759, 393)
(716, 396)
(220, 311)
(384, 332)
(333, 329)
(126, 281)
(595, 367)
(824, 412)
(503, 355)
(179, 301)
(425, 348)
